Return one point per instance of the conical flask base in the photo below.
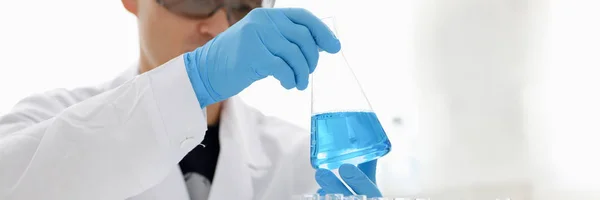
(346, 137)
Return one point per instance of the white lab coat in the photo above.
(123, 140)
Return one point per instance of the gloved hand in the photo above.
(282, 42)
(360, 179)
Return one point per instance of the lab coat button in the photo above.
(187, 142)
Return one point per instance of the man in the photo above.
(125, 139)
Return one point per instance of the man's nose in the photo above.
(215, 24)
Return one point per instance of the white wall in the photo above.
(471, 59)
(64, 43)
(563, 103)
(508, 99)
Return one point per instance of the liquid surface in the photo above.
(346, 137)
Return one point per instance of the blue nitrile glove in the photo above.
(282, 42)
(360, 179)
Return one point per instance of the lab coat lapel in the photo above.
(240, 154)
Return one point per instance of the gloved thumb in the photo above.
(369, 168)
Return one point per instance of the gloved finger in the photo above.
(280, 70)
(330, 183)
(369, 168)
(299, 35)
(321, 192)
(319, 31)
(291, 54)
(358, 181)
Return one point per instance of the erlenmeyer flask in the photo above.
(344, 129)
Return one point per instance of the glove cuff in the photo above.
(192, 68)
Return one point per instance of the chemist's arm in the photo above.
(111, 146)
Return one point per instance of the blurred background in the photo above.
(482, 99)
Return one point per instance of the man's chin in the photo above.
(194, 46)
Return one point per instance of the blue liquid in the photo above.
(346, 137)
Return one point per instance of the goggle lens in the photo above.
(199, 9)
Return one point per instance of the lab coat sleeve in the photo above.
(304, 175)
(113, 145)
(295, 148)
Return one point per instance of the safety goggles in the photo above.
(202, 9)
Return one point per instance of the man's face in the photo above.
(165, 35)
